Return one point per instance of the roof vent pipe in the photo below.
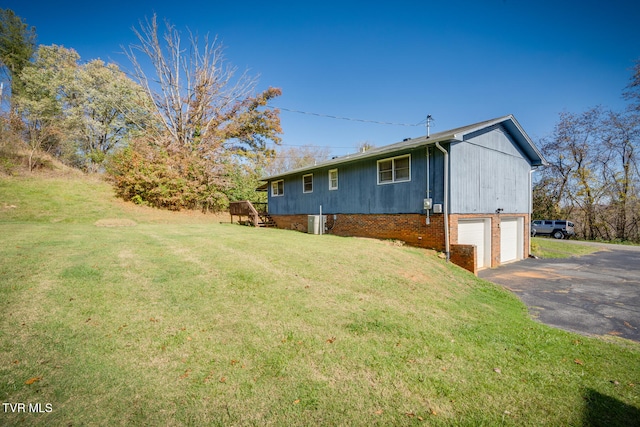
(446, 200)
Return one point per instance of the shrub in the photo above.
(150, 174)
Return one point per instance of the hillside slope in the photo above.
(176, 318)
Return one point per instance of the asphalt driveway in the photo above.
(595, 294)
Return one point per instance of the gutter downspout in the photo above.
(428, 219)
(446, 199)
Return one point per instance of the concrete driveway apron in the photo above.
(595, 294)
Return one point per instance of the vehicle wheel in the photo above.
(558, 234)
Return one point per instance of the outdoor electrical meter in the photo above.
(427, 204)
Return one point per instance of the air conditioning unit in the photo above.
(315, 222)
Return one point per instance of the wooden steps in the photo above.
(255, 217)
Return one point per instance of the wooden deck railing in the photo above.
(253, 211)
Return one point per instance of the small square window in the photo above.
(307, 183)
(397, 169)
(333, 179)
(277, 188)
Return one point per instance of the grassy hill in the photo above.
(115, 314)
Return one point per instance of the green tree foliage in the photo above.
(213, 127)
(17, 46)
(105, 109)
(41, 103)
(79, 113)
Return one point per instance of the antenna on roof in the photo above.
(429, 119)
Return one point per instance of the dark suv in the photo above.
(559, 229)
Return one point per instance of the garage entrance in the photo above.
(477, 232)
(511, 245)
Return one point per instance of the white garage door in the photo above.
(510, 240)
(474, 232)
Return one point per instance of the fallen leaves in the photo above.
(32, 380)
(412, 415)
(628, 325)
(578, 362)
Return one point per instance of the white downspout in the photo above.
(446, 199)
(428, 219)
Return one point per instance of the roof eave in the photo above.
(421, 141)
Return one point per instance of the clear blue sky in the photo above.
(396, 61)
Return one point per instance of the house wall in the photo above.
(358, 189)
(488, 172)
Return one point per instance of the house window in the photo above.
(277, 188)
(307, 183)
(333, 179)
(396, 169)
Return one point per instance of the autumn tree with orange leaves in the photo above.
(210, 123)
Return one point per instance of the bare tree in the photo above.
(575, 175)
(291, 158)
(202, 103)
(364, 146)
(620, 168)
(211, 124)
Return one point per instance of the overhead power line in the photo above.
(329, 116)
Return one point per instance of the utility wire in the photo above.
(346, 118)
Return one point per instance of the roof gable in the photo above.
(509, 123)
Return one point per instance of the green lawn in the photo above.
(548, 247)
(182, 320)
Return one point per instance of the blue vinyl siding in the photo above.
(358, 189)
(489, 169)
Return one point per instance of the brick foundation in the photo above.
(413, 230)
(410, 228)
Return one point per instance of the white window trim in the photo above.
(303, 177)
(393, 169)
(274, 184)
(330, 187)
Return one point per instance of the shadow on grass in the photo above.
(606, 411)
